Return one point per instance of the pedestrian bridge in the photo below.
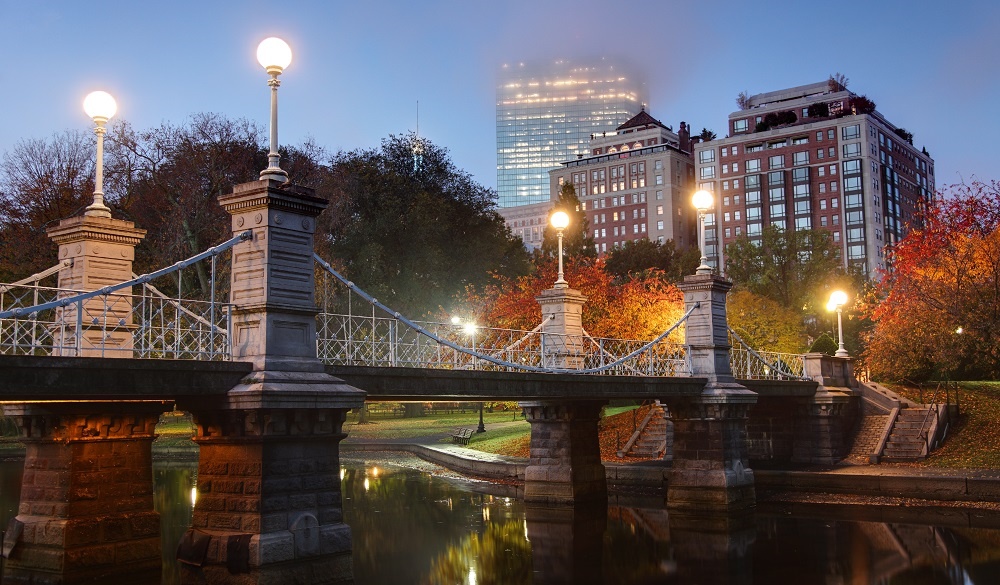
(270, 365)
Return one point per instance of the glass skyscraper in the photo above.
(546, 113)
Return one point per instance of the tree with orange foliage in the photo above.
(938, 311)
(640, 308)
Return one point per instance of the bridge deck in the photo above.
(29, 378)
(427, 384)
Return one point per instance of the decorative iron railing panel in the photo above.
(133, 319)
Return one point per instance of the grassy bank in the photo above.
(973, 441)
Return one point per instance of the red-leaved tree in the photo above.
(937, 313)
(641, 307)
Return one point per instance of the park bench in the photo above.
(461, 436)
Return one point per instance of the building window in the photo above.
(830, 134)
(753, 229)
(822, 221)
(800, 174)
(803, 223)
(753, 214)
(659, 225)
(659, 195)
(802, 207)
(822, 187)
(852, 150)
(776, 178)
(776, 162)
(753, 166)
(659, 178)
(800, 190)
(852, 166)
(800, 139)
(658, 165)
(777, 210)
(706, 156)
(740, 125)
(800, 158)
(851, 132)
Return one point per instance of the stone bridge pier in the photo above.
(711, 479)
(86, 509)
(269, 504)
(564, 465)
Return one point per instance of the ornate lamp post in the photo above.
(100, 106)
(838, 299)
(702, 201)
(559, 221)
(274, 55)
(470, 329)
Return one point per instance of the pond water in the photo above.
(414, 522)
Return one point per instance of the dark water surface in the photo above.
(417, 523)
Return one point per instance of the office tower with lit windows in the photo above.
(814, 157)
(546, 115)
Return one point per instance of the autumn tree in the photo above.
(938, 311)
(788, 267)
(640, 307)
(577, 239)
(764, 324)
(413, 235)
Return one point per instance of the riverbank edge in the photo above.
(652, 476)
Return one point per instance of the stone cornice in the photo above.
(268, 194)
(704, 282)
(100, 229)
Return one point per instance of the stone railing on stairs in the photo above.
(911, 430)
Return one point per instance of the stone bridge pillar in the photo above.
(102, 250)
(564, 466)
(710, 474)
(86, 510)
(269, 470)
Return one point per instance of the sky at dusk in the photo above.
(360, 67)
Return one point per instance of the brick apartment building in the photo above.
(814, 157)
(635, 183)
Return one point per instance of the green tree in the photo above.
(577, 240)
(706, 135)
(642, 255)
(788, 267)
(413, 235)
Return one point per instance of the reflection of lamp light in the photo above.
(100, 106)
(702, 201)
(456, 320)
(838, 299)
(194, 495)
(560, 220)
(274, 55)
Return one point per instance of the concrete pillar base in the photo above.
(711, 476)
(565, 461)
(86, 508)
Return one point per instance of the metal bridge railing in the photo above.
(133, 319)
(383, 337)
(750, 364)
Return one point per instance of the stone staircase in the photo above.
(908, 440)
(652, 436)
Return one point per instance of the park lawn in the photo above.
(509, 440)
(974, 441)
(423, 426)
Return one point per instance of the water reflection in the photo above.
(412, 526)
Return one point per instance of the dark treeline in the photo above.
(412, 231)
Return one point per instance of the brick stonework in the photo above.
(564, 466)
(86, 504)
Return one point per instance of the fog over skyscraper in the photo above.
(546, 114)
